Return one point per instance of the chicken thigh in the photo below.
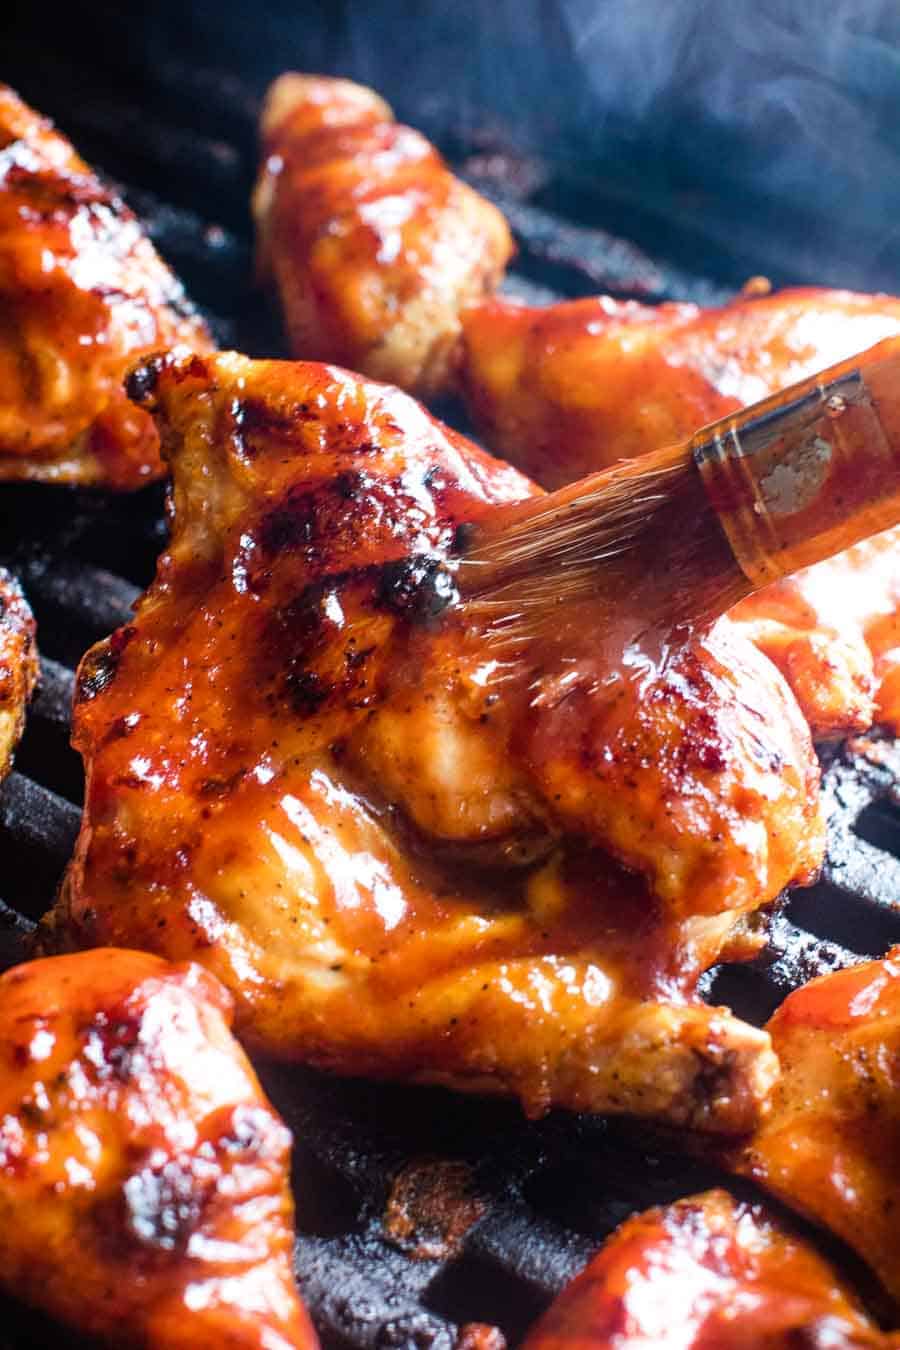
(82, 293)
(374, 245)
(409, 853)
(18, 666)
(707, 1273)
(831, 1145)
(144, 1190)
(568, 389)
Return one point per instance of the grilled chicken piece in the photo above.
(82, 293)
(833, 630)
(314, 772)
(374, 245)
(18, 666)
(564, 390)
(144, 1183)
(832, 1142)
(568, 389)
(707, 1273)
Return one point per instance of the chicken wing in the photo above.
(831, 1145)
(18, 666)
(143, 1175)
(707, 1273)
(568, 389)
(310, 769)
(374, 245)
(82, 293)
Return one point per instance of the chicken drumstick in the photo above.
(374, 245)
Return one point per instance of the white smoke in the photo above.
(729, 135)
(768, 130)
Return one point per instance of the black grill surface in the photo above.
(418, 1211)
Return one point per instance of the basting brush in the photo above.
(682, 534)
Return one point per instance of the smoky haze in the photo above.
(730, 135)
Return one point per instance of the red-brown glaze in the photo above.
(144, 1192)
(831, 1145)
(565, 390)
(707, 1273)
(374, 245)
(389, 838)
(18, 666)
(833, 630)
(82, 293)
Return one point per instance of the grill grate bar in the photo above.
(75, 604)
(366, 1294)
(52, 702)
(580, 259)
(45, 754)
(38, 829)
(545, 1255)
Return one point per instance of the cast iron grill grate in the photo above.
(488, 1215)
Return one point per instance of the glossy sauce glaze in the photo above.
(707, 1273)
(18, 665)
(143, 1175)
(82, 292)
(566, 390)
(831, 1145)
(374, 245)
(308, 769)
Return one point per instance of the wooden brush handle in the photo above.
(810, 471)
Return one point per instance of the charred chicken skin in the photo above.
(374, 245)
(568, 389)
(832, 1142)
(18, 666)
(82, 293)
(707, 1273)
(402, 847)
(143, 1175)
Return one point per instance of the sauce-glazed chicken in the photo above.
(707, 1273)
(831, 1145)
(374, 245)
(144, 1188)
(82, 293)
(564, 390)
(568, 389)
(401, 846)
(18, 666)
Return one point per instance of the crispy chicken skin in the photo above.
(18, 666)
(707, 1273)
(568, 389)
(374, 245)
(143, 1175)
(313, 772)
(831, 1145)
(82, 293)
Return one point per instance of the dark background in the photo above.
(727, 136)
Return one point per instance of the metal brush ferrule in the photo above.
(801, 476)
